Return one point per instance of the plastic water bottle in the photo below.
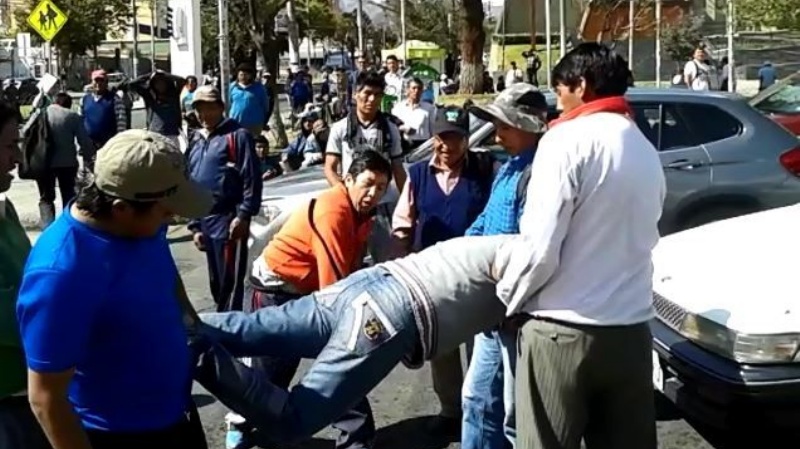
(234, 438)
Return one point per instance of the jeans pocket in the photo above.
(370, 326)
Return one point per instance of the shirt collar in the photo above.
(524, 158)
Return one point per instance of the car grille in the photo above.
(669, 312)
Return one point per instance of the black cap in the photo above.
(451, 119)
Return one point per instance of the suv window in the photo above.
(662, 126)
(672, 126)
(709, 123)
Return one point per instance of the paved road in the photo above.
(401, 403)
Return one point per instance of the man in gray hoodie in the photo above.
(406, 310)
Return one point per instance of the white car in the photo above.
(726, 338)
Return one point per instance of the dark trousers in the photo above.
(578, 382)
(532, 77)
(357, 426)
(227, 266)
(186, 434)
(65, 177)
(19, 429)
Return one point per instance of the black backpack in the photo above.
(35, 148)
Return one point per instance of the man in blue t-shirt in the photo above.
(101, 304)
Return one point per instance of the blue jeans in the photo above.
(488, 421)
(358, 330)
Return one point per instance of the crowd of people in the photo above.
(541, 263)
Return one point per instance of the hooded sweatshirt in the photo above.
(14, 249)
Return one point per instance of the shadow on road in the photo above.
(411, 433)
(180, 238)
(202, 400)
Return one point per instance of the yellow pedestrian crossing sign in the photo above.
(47, 20)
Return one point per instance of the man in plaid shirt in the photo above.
(519, 115)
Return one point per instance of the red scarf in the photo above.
(617, 105)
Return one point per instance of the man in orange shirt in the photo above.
(325, 241)
(317, 246)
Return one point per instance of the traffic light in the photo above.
(169, 20)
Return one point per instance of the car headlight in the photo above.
(744, 348)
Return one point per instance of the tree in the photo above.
(88, 23)
(317, 19)
(681, 37)
(755, 14)
(472, 38)
(426, 20)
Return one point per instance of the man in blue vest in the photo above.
(441, 198)
(103, 112)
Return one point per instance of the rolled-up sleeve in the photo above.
(551, 194)
(405, 213)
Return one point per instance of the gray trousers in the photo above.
(585, 382)
(19, 429)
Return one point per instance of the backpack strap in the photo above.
(231, 139)
(522, 185)
(322, 240)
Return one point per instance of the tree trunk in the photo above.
(532, 17)
(263, 37)
(472, 38)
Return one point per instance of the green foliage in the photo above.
(88, 23)
(756, 14)
(317, 19)
(240, 38)
(680, 38)
(427, 20)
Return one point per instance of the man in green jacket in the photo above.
(18, 427)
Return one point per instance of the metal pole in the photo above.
(562, 26)
(359, 12)
(548, 46)
(403, 31)
(224, 58)
(153, 6)
(731, 25)
(503, 37)
(135, 58)
(658, 43)
(308, 34)
(631, 31)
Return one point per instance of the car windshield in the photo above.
(784, 100)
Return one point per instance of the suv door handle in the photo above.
(684, 164)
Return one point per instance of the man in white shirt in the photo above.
(394, 80)
(514, 75)
(417, 116)
(367, 128)
(580, 285)
(697, 74)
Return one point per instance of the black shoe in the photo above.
(444, 426)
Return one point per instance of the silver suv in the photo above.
(721, 157)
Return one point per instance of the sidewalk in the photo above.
(25, 197)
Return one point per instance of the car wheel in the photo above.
(714, 213)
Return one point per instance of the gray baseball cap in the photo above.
(520, 106)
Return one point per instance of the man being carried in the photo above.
(358, 330)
